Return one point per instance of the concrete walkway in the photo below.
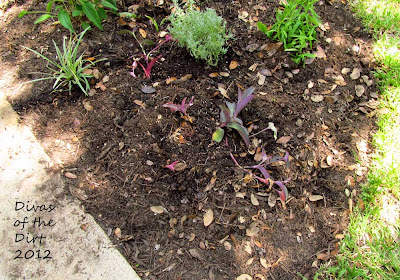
(44, 232)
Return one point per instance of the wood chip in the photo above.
(208, 217)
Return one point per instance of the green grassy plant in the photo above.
(66, 10)
(295, 27)
(203, 33)
(70, 68)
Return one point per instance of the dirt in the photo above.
(118, 148)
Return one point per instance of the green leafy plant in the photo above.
(229, 116)
(204, 34)
(295, 27)
(66, 10)
(70, 68)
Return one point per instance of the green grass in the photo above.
(371, 247)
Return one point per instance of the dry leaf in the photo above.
(196, 254)
(249, 261)
(253, 67)
(244, 277)
(254, 200)
(143, 33)
(170, 80)
(186, 77)
(283, 140)
(323, 257)
(70, 175)
(252, 230)
(157, 209)
(263, 262)
(180, 166)
(208, 217)
(315, 197)
(224, 74)
(339, 80)
(140, 103)
(227, 246)
(148, 89)
(192, 237)
(320, 53)
(222, 90)
(272, 200)
(233, 65)
(261, 79)
(339, 236)
(213, 75)
(317, 97)
(266, 72)
(117, 233)
(355, 74)
(359, 90)
(87, 106)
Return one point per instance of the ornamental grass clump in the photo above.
(204, 34)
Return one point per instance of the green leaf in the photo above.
(85, 25)
(90, 12)
(42, 18)
(65, 21)
(102, 14)
(77, 13)
(49, 6)
(242, 131)
(109, 4)
(262, 27)
(22, 13)
(218, 135)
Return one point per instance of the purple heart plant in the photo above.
(229, 116)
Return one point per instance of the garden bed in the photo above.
(113, 146)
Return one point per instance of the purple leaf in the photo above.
(283, 193)
(243, 99)
(173, 107)
(263, 171)
(147, 71)
(171, 166)
(234, 160)
(134, 66)
(224, 116)
(179, 107)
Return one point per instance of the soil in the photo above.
(118, 140)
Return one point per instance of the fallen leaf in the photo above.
(264, 263)
(233, 65)
(346, 71)
(249, 261)
(208, 217)
(70, 175)
(213, 75)
(192, 237)
(339, 80)
(87, 106)
(320, 53)
(266, 72)
(317, 98)
(196, 254)
(142, 32)
(339, 236)
(170, 80)
(252, 230)
(117, 233)
(254, 200)
(186, 77)
(261, 79)
(283, 140)
(271, 48)
(157, 209)
(359, 90)
(227, 246)
(329, 159)
(244, 277)
(180, 166)
(224, 74)
(355, 74)
(222, 90)
(272, 200)
(315, 197)
(323, 257)
(140, 103)
(253, 67)
(148, 89)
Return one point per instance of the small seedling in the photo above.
(266, 177)
(295, 27)
(229, 116)
(180, 107)
(150, 62)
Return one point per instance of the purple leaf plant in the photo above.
(229, 116)
(149, 62)
(265, 177)
(180, 107)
